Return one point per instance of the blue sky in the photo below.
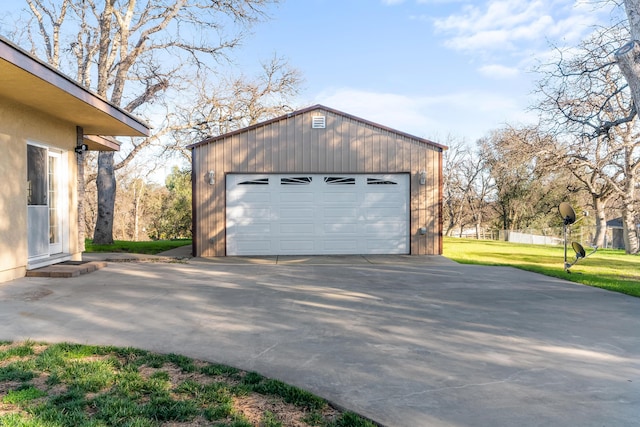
(431, 68)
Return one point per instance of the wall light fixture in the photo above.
(423, 177)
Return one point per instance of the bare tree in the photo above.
(590, 172)
(480, 188)
(628, 56)
(136, 51)
(453, 182)
(586, 104)
(465, 187)
(526, 192)
(628, 59)
(235, 102)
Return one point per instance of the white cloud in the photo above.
(497, 14)
(392, 2)
(396, 111)
(498, 25)
(469, 114)
(439, 1)
(497, 71)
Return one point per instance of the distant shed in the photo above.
(316, 182)
(617, 233)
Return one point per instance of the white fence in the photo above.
(535, 239)
(550, 236)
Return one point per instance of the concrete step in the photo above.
(67, 269)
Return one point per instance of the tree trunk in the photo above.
(628, 55)
(630, 231)
(136, 217)
(106, 184)
(632, 7)
(629, 225)
(451, 224)
(138, 188)
(628, 59)
(459, 218)
(505, 222)
(601, 221)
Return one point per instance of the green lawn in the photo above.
(607, 269)
(151, 247)
(71, 385)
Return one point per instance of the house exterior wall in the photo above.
(20, 125)
(290, 145)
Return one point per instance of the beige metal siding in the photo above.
(290, 145)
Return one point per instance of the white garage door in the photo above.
(300, 214)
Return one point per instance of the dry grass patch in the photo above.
(88, 386)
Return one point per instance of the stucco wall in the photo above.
(290, 145)
(19, 125)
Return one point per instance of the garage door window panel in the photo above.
(259, 181)
(301, 180)
(378, 181)
(339, 180)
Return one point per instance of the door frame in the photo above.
(56, 201)
(61, 203)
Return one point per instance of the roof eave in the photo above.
(102, 117)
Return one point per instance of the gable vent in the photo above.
(318, 122)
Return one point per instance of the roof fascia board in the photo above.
(105, 143)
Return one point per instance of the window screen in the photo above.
(36, 176)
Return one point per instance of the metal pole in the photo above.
(565, 245)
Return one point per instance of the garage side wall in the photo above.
(291, 145)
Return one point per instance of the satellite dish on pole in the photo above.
(569, 217)
(567, 213)
(580, 252)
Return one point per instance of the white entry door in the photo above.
(45, 202)
(313, 214)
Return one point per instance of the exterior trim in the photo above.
(107, 143)
(194, 210)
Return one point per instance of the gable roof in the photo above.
(31, 82)
(312, 108)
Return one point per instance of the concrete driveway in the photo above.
(406, 341)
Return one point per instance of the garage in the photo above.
(316, 181)
(317, 214)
